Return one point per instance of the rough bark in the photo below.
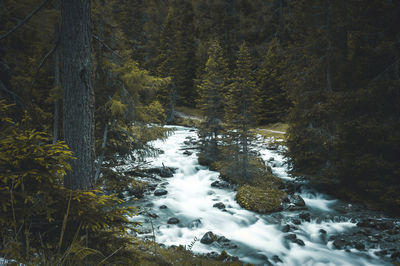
(78, 95)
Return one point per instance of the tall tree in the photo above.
(273, 96)
(240, 110)
(211, 100)
(78, 96)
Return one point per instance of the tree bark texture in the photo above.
(78, 94)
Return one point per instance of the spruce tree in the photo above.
(240, 110)
(273, 97)
(211, 99)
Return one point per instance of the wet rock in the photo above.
(271, 159)
(276, 259)
(195, 224)
(359, 246)
(164, 184)
(293, 208)
(220, 184)
(151, 187)
(339, 243)
(285, 228)
(152, 215)
(208, 238)
(162, 171)
(150, 204)
(219, 205)
(188, 153)
(297, 200)
(163, 207)
(160, 192)
(299, 242)
(173, 220)
(291, 237)
(210, 192)
(305, 216)
(212, 254)
(296, 221)
(322, 231)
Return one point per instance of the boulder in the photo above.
(208, 238)
(305, 216)
(173, 220)
(220, 184)
(285, 228)
(339, 244)
(162, 171)
(163, 207)
(160, 192)
(359, 245)
(291, 237)
(299, 242)
(219, 205)
(297, 200)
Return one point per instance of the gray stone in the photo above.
(219, 205)
(160, 192)
(173, 220)
(208, 238)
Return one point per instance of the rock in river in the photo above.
(173, 220)
(219, 205)
(160, 192)
(208, 238)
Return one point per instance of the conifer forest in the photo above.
(199, 132)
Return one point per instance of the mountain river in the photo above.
(254, 238)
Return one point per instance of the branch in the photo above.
(106, 46)
(44, 59)
(25, 19)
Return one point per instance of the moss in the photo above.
(152, 254)
(262, 200)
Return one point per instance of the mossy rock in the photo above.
(262, 200)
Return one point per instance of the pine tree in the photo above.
(273, 97)
(211, 100)
(240, 110)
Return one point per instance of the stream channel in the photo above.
(260, 239)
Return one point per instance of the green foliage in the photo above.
(240, 110)
(211, 91)
(38, 214)
(343, 79)
(274, 103)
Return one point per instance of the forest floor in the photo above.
(191, 117)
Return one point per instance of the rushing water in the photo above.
(190, 198)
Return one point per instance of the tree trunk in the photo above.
(78, 95)
(56, 118)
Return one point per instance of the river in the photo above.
(254, 238)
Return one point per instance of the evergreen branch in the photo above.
(44, 59)
(106, 46)
(26, 19)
